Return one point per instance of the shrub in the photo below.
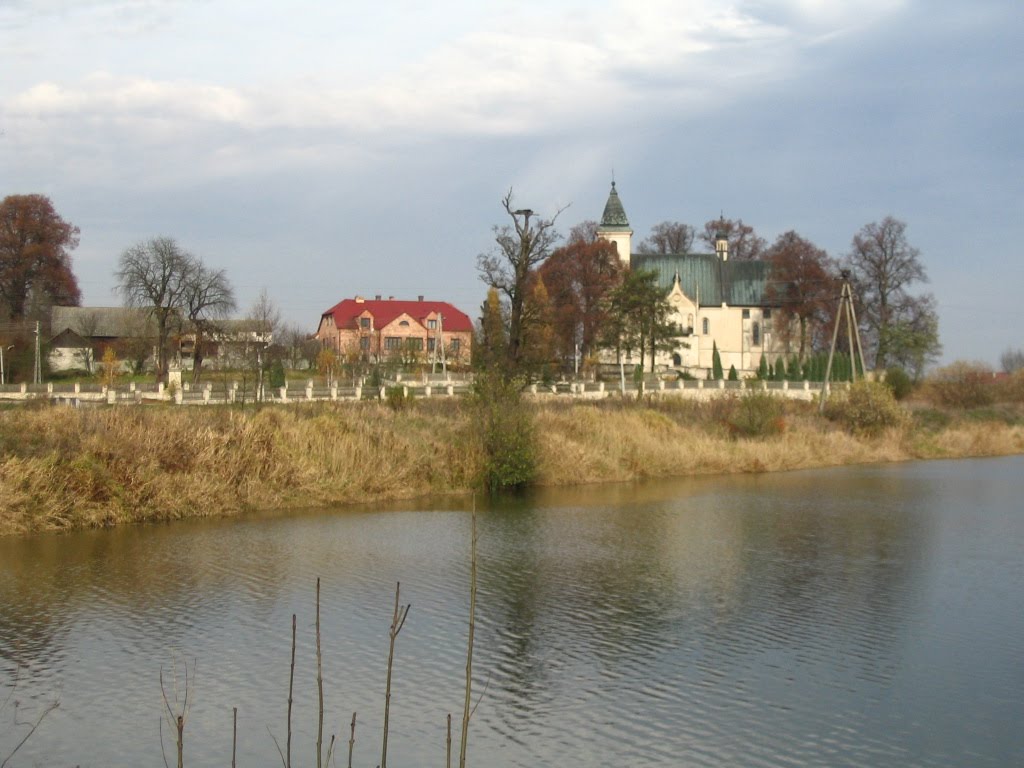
(506, 432)
(899, 382)
(1011, 388)
(868, 408)
(397, 399)
(733, 376)
(962, 385)
(756, 414)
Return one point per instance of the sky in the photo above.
(323, 150)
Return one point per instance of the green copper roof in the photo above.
(614, 214)
(703, 276)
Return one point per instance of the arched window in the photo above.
(677, 359)
(689, 321)
(756, 334)
(706, 326)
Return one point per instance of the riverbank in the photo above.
(63, 468)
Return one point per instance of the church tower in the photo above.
(614, 226)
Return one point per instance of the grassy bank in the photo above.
(62, 468)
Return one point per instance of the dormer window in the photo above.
(364, 322)
(432, 325)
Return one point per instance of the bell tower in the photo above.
(614, 226)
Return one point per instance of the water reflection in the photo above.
(771, 620)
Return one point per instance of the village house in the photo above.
(390, 330)
(715, 301)
(80, 335)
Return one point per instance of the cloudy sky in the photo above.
(328, 149)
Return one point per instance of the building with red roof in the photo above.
(384, 330)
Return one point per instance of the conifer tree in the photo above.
(716, 363)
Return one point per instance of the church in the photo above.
(715, 301)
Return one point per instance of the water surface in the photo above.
(855, 616)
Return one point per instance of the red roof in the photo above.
(346, 312)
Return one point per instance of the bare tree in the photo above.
(86, 326)
(744, 243)
(884, 265)
(1012, 360)
(265, 321)
(207, 298)
(522, 247)
(154, 275)
(669, 237)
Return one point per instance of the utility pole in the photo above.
(845, 311)
(38, 374)
(438, 355)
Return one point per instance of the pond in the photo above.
(853, 616)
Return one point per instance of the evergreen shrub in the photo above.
(505, 428)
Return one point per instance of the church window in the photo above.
(756, 334)
(746, 314)
(706, 326)
(689, 321)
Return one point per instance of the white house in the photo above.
(715, 301)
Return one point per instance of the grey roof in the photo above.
(99, 322)
(614, 214)
(705, 277)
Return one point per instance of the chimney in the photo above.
(391, 298)
(420, 298)
(378, 297)
(360, 299)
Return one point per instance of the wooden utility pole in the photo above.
(845, 311)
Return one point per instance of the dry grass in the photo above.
(62, 468)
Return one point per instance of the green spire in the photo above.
(614, 214)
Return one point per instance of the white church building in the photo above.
(715, 301)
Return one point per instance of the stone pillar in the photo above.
(382, 393)
(807, 385)
(284, 394)
(24, 387)
(451, 390)
(78, 387)
(721, 383)
(359, 393)
(232, 394)
(138, 395)
(600, 387)
(426, 391)
(405, 393)
(206, 395)
(179, 397)
(554, 389)
(700, 383)
(309, 390)
(398, 377)
(160, 388)
(111, 396)
(186, 386)
(334, 391)
(131, 386)
(661, 385)
(533, 389)
(49, 388)
(785, 386)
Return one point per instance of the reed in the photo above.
(63, 468)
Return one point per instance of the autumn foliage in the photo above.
(34, 259)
